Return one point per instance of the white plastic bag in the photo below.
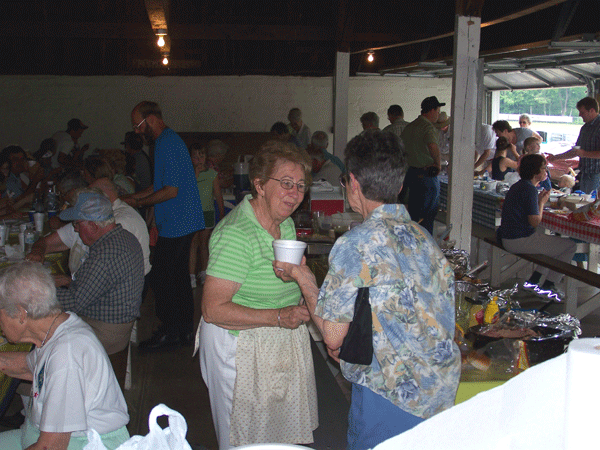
(170, 438)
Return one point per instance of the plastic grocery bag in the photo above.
(170, 438)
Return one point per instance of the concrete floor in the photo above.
(174, 378)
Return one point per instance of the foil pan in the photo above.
(562, 324)
(504, 297)
(458, 259)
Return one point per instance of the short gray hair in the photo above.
(320, 140)
(370, 117)
(525, 117)
(295, 115)
(72, 180)
(377, 159)
(30, 286)
(216, 147)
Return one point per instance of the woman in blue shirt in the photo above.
(519, 232)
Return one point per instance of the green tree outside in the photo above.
(546, 102)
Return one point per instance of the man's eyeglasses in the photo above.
(289, 184)
(344, 179)
(136, 127)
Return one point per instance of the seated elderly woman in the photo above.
(521, 214)
(117, 160)
(415, 365)
(74, 387)
(255, 351)
(96, 167)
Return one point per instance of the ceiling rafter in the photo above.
(516, 15)
(566, 15)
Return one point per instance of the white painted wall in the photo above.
(35, 107)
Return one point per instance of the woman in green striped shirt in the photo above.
(254, 345)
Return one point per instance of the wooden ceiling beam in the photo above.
(345, 25)
(524, 12)
(516, 15)
(469, 7)
(80, 30)
(92, 30)
(538, 48)
(158, 13)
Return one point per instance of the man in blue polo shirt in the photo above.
(178, 214)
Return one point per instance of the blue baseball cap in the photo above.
(90, 206)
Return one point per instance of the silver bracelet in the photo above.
(279, 318)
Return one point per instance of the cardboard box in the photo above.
(330, 201)
(573, 202)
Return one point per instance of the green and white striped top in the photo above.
(241, 250)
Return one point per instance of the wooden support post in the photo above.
(464, 117)
(340, 100)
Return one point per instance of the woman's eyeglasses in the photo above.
(289, 184)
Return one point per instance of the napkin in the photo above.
(547, 407)
(321, 186)
(14, 252)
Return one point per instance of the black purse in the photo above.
(357, 347)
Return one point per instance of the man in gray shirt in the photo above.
(396, 118)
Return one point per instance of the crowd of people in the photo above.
(255, 353)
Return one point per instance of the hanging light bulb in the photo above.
(161, 33)
(165, 60)
(371, 57)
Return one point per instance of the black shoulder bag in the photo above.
(357, 347)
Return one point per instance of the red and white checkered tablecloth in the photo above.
(561, 223)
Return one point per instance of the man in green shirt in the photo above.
(421, 185)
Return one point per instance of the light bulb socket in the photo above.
(161, 32)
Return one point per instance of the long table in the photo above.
(588, 231)
(486, 205)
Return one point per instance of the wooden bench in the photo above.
(500, 268)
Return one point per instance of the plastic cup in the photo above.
(288, 250)
(23, 227)
(22, 241)
(38, 219)
(317, 219)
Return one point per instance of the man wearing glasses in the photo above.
(178, 213)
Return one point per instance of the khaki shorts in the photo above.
(113, 336)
